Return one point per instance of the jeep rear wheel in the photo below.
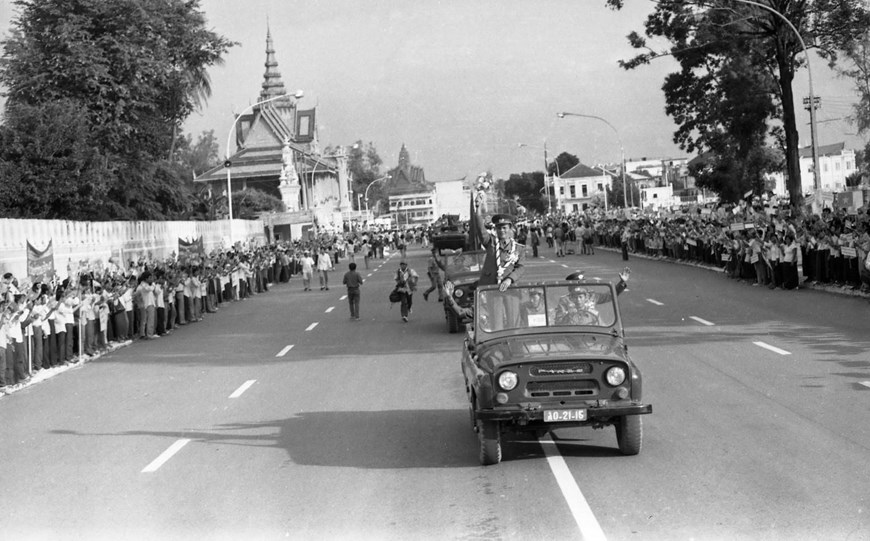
(629, 434)
(489, 435)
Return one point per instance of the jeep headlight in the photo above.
(507, 380)
(615, 376)
(458, 293)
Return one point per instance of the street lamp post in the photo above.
(546, 166)
(228, 165)
(621, 147)
(366, 197)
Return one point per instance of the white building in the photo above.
(656, 197)
(836, 164)
(654, 166)
(581, 187)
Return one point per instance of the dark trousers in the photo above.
(36, 348)
(789, 275)
(161, 321)
(61, 344)
(122, 331)
(407, 301)
(353, 297)
(52, 344)
(3, 366)
(19, 356)
(70, 341)
(180, 308)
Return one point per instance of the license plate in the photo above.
(558, 416)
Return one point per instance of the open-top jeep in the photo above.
(548, 355)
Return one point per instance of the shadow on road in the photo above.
(394, 439)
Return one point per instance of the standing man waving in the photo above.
(504, 262)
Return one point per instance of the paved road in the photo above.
(281, 418)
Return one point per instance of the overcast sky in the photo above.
(462, 82)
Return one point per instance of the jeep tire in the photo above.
(489, 435)
(629, 434)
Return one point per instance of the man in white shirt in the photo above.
(147, 305)
(307, 265)
(324, 265)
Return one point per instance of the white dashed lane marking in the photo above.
(657, 303)
(330, 309)
(771, 348)
(866, 384)
(244, 387)
(284, 351)
(342, 297)
(165, 455)
(701, 321)
(311, 327)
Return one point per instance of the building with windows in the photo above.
(836, 164)
(582, 187)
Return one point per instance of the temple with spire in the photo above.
(412, 200)
(275, 150)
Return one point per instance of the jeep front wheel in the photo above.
(629, 434)
(489, 435)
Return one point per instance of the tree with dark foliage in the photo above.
(130, 72)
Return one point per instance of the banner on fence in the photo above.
(848, 252)
(188, 249)
(40, 263)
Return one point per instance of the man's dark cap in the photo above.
(502, 219)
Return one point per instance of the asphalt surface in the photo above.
(279, 417)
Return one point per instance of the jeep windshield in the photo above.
(463, 262)
(544, 305)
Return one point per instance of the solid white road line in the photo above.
(772, 348)
(284, 351)
(583, 516)
(330, 309)
(701, 321)
(311, 327)
(657, 303)
(165, 455)
(238, 392)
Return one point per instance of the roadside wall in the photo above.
(87, 243)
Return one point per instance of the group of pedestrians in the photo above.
(51, 324)
(48, 325)
(750, 242)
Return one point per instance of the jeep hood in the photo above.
(550, 347)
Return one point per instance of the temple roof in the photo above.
(263, 162)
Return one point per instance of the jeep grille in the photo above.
(540, 389)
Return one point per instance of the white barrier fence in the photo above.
(92, 242)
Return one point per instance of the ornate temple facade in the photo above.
(412, 199)
(275, 150)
